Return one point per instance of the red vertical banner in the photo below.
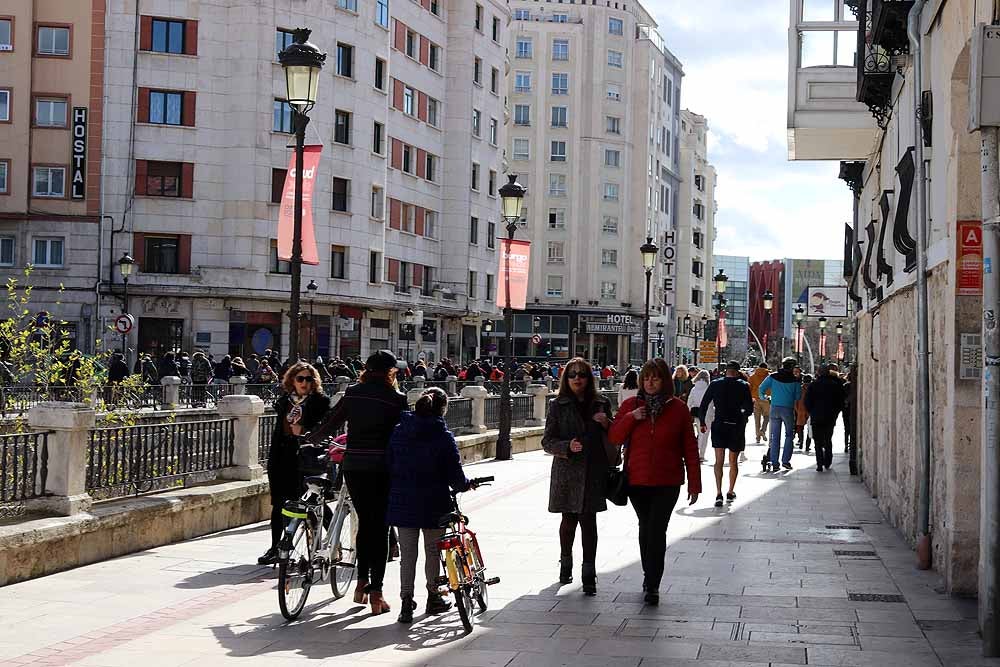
(518, 254)
(286, 216)
(723, 334)
(840, 350)
(822, 345)
(799, 334)
(969, 266)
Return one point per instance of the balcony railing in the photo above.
(889, 25)
(875, 71)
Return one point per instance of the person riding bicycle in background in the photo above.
(371, 409)
(300, 408)
(424, 464)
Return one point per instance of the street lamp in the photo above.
(768, 298)
(799, 316)
(511, 196)
(311, 290)
(408, 322)
(659, 336)
(822, 339)
(302, 63)
(125, 266)
(840, 338)
(687, 323)
(648, 251)
(720, 282)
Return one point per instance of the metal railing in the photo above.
(492, 411)
(459, 415)
(124, 460)
(524, 407)
(24, 461)
(268, 393)
(611, 396)
(19, 399)
(265, 428)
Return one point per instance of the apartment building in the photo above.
(594, 97)
(51, 82)
(410, 119)
(695, 233)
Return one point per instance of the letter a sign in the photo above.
(969, 267)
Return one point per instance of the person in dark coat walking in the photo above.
(300, 408)
(118, 370)
(733, 407)
(371, 409)
(168, 366)
(149, 373)
(824, 401)
(576, 435)
(424, 464)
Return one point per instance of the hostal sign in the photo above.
(78, 180)
(616, 325)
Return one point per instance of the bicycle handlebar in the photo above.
(477, 481)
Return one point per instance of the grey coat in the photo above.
(570, 489)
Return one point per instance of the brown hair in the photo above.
(659, 368)
(432, 403)
(578, 363)
(388, 378)
(288, 382)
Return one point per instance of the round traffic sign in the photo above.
(124, 323)
(536, 339)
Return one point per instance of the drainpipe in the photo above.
(924, 554)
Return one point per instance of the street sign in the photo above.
(708, 353)
(124, 323)
(536, 339)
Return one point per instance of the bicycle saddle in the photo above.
(452, 517)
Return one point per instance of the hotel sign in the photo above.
(615, 325)
(78, 170)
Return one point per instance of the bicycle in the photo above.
(313, 549)
(465, 571)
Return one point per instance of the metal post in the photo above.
(645, 323)
(503, 437)
(125, 310)
(312, 332)
(300, 120)
(798, 342)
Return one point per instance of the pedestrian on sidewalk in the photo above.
(784, 389)
(761, 407)
(576, 435)
(424, 464)
(300, 408)
(803, 428)
(824, 401)
(660, 445)
(701, 383)
(682, 382)
(733, 407)
(630, 386)
(371, 409)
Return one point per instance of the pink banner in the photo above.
(840, 350)
(519, 254)
(723, 335)
(822, 345)
(286, 216)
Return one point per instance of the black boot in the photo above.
(566, 570)
(406, 607)
(270, 557)
(436, 604)
(589, 577)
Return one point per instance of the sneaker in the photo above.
(270, 557)
(718, 500)
(652, 598)
(743, 457)
(786, 466)
(436, 605)
(731, 496)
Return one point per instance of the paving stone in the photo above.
(644, 649)
(785, 613)
(572, 660)
(845, 658)
(867, 629)
(527, 644)
(801, 638)
(774, 653)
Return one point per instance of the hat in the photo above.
(733, 366)
(381, 362)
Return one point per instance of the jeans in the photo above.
(653, 506)
(823, 434)
(408, 551)
(370, 493)
(781, 415)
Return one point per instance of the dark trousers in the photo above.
(370, 493)
(823, 435)
(588, 533)
(653, 506)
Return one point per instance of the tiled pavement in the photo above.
(766, 581)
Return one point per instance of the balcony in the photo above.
(876, 73)
(888, 25)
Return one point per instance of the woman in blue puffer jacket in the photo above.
(424, 464)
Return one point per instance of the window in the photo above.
(282, 39)
(48, 182)
(560, 84)
(412, 44)
(430, 220)
(432, 112)
(168, 36)
(479, 18)
(408, 165)
(477, 117)
(491, 235)
(560, 49)
(616, 59)
(341, 194)
(277, 184)
(163, 179)
(611, 192)
(698, 239)
(429, 168)
(491, 188)
(378, 138)
(699, 182)
(473, 279)
(553, 286)
(522, 15)
(522, 149)
(434, 57)
(494, 81)
(338, 262)
(560, 18)
(282, 117)
(522, 114)
(557, 185)
(48, 252)
(490, 286)
(6, 251)
(161, 254)
(342, 127)
(477, 71)
(612, 158)
(53, 41)
(609, 257)
(475, 176)
(473, 231)
(557, 152)
(50, 112)
(378, 203)
(408, 215)
(613, 124)
(6, 35)
(616, 26)
(276, 265)
(524, 48)
(522, 82)
(4, 177)
(408, 95)
(559, 116)
(374, 266)
(345, 60)
(609, 290)
(380, 74)
(348, 4)
(496, 29)
(382, 13)
(494, 131)
(610, 225)
(556, 252)
(166, 108)
(557, 218)
(697, 268)
(614, 92)
(435, 10)
(695, 297)
(4, 105)
(699, 210)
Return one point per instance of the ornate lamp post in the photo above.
(311, 290)
(511, 196)
(799, 316)
(125, 266)
(822, 339)
(408, 322)
(768, 299)
(648, 251)
(487, 330)
(840, 341)
(302, 63)
(659, 339)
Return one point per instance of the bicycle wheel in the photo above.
(480, 592)
(343, 555)
(295, 573)
(463, 602)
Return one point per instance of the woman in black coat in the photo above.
(300, 408)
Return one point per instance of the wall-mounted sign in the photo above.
(669, 254)
(969, 267)
(828, 301)
(78, 170)
(615, 325)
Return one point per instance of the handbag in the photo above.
(617, 486)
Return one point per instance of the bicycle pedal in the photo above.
(492, 581)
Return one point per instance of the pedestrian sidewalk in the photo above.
(801, 569)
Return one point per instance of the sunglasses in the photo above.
(304, 378)
(572, 375)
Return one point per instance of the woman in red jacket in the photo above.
(656, 429)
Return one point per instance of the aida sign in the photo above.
(78, 169)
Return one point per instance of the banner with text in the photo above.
(286, 216)
(518, 254)
(969, 267)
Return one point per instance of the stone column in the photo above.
(452, 381)
(548, 382)
(342, 383)
(412, 395)
(171, 390)
(419, 382)
(239, 385)
(478, 395)
(541, 403)
(68, 425)
(336, 398)
(246, 410)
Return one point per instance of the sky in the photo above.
(735, 57)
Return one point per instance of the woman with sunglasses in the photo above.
(576, 436)
(371, 408)
(300, 408)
